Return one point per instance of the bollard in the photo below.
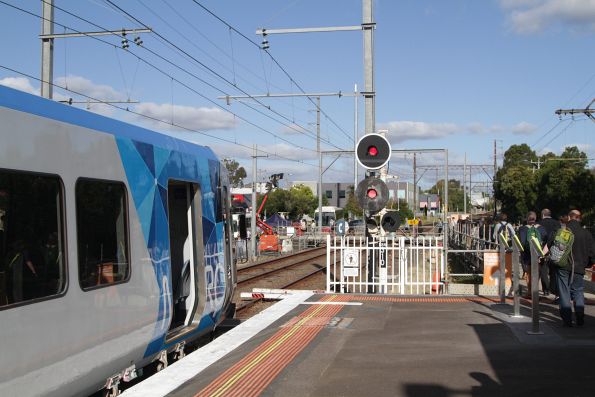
(502, 278)
(516, 249)
(536, 253)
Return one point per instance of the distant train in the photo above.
(115, 247)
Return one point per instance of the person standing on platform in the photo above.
(551, 226)
(570, 278)
(533, 229)
(503, 227)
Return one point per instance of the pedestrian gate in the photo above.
(385, 265)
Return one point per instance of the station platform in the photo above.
(379, 345)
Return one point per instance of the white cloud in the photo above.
(400, 131)
(534, 16)
(194, 118)
(87, 87)
(523, 128)
(24, 84)
(19, 83)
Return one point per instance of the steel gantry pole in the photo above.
(319, 163)
(47, 49)
(254, 203)
(355, 136)
(368, 26)
(47, 44)
(253, 218)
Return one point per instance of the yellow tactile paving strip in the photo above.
(251, 375)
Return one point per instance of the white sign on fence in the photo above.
(350, 263)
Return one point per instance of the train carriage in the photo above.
(114, 247)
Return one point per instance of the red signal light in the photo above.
(373, 151)
(372, 193)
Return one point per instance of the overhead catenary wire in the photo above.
(222, 51)
(303, 130)
(168, 123)
(214, 72)
(275, 61)
(171, 77)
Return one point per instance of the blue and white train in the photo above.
(115, 247)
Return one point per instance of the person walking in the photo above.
(570, 278)
(530, 229)
(503, 227)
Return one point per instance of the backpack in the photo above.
(561, 249)
(532, 231)
(504, 229)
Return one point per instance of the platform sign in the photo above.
(413, 222)
(350, 263)
(341, 227)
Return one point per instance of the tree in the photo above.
(515, 185)
(455, 194)
(297, 201)
(236, 173)
(565, 183)
(352, 205)
(561, 183)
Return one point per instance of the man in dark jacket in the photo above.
(570, 279)
(551, 226)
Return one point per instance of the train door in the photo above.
(230, 268)
(186, 252)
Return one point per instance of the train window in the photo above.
(32, 262)
(102, 233)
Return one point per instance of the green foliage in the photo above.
(565, 183)
(296, 201)
(352, 204)
(455, 194)
(561, 184)
(403, 209)
(235, 172)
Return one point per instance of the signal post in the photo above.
(373, 151)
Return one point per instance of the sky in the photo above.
(463, 75)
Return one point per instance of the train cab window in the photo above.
(102, 233)
(32, 264)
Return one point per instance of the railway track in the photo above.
(280, 273)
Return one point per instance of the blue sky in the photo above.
(454, 74)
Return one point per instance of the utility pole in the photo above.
(47, 48)
(587, 111)
(355, 138)
(228, 99)
(368, 26)
(415, 190)
(538, 163)
(47, 44)
(254, 203)
(319, 164)
(465, 185)
(494, 187)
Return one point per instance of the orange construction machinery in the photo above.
(269, 241)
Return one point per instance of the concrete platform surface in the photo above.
(447, 346)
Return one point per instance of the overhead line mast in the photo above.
(586, 111)
(47, 37)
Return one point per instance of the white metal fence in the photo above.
(385, 265)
